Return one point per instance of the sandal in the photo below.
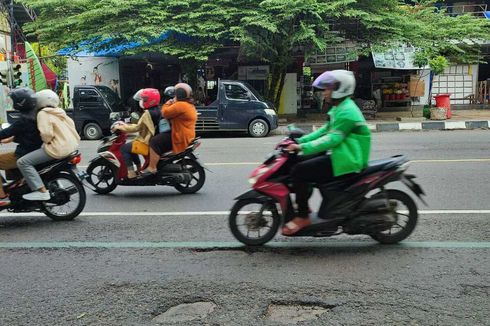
(295, 225)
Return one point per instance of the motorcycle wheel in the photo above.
(256, 215)
(102, 176)
(406, 217)
(198, 177)
(68, 197)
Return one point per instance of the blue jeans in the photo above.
(130, 158)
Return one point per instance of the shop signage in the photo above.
(253, 72)
(397, 58)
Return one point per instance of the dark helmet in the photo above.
(23, 99)
(169, 92)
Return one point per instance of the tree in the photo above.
(442, 39)
(267, 30)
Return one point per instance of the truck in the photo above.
(95, 107)
(237, 107)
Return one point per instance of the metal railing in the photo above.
(476, 10)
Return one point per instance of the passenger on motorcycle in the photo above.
(162, 141)
(60, 139)
(182, 114)
(343, 144)
(23, 131)
(147, 127)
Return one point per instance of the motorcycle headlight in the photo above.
(115, 116)
(253, 179)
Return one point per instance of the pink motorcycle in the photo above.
(352, 204)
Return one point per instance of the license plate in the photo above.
(82, 175)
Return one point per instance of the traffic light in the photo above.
(4, 77)
(16, 75)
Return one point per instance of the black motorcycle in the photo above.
(353, 204)
(182, 171)
(64, 183)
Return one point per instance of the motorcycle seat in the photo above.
(385, 164)
(169, 154)
(374, 166)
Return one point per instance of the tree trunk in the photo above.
(276, 84)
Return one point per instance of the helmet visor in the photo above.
(325, 80)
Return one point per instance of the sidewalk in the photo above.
(400, 121)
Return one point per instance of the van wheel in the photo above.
(258, 128)
(92, 131)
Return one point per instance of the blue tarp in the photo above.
(487, 14)
(118, 50)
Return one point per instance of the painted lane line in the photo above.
(469, 160)
(232, 245)
(226, 213)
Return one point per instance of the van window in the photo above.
(236, 92)
(88, 95)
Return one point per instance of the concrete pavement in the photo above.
(141, 255)
(401, 121)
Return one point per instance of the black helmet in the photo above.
(169, 92)
(23, 99)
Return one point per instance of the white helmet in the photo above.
(46, 98)
(343, 81)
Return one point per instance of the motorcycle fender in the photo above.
(108, 156)
(196, 158)
(407, 180)
(252, 194)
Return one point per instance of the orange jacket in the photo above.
(183, 116)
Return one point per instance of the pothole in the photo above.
(186, 312)
(295, 312)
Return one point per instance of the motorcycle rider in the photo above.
(60, 139)
(162, 142)
(147, 127)
(346, 137)
(182, 114)
(23, 131)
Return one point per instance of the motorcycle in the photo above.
(352, 204)
(108, 170)
(64, 183)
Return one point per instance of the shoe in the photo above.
(146, 173)
(131, 174)
(5, 201)
(295, 225)
(37, 196)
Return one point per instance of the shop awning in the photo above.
(118, 50)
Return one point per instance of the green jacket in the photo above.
(346, 135)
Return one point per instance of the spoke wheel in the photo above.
(195, 177)
(253, 222)
(404, 211)
(67, 197)
(102, 176)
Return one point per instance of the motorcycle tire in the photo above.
(198, 174)
(107, 172)
(245, 239)
(53, 185)
(409, 203)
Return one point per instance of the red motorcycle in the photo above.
(352, 204)
(108, 170)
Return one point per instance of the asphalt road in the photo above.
(138, 252)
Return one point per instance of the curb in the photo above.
(403, 126)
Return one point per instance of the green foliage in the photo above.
(267, 30)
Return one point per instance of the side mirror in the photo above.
(134, 117)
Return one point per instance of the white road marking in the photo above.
(226, 213)
(469, 160)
